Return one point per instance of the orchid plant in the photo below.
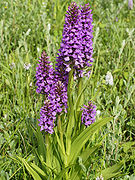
(67, 122)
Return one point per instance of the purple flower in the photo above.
(55, 91)
(47, 117)
(75, 54)
(69, 52)
(58, 97)
(76, 46)
(87, 50)
(130, 4)
(44, 75)
(56, 103)
(88, 114)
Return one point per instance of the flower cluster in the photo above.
(100, 178)
(76, 46)
(109, 78)
(75, 54)
(88, 114)
(87, 51)
(47, 117)
(58, 97)
(44, 75)
(27, 66)
(55, 104)
(69, 55)
(55, 91)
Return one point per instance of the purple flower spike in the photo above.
(76, 46)
(88, 114)
(44, 75)
(56, 103)
(87, 50)
(47, 117)
(58, 97)
(69, 53)
(75, 54)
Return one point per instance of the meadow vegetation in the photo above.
(29, 27)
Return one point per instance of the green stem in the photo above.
(80, 103)
(70, 89)
(48, 149)
(80, 86)
(61, 134)
(62, 144)
(70, 113)
(70, 116)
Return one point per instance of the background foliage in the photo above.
(28, 27)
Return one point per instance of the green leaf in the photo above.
(75, 172)
(116, 70)
(40, 171)
(112, 171)
(58, 140)
(29, 169)
(7, 82)
(128, 145)
(102, 25)
(81, 93)
(71, 119)
(41, 143)
(60, 129)
(111, 175)
(75, 176)
(80, 141)
(63, 172)
(126, 75)
(87, 152)
(69, 131)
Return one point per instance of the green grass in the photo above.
(28, 27)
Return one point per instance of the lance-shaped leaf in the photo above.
(89, 151)
(112, 171)
(63, 172)
(36, 168)
(80, 141)
(29, 169)
(70, 113)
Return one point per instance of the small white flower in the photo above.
(98, 112)
(49, 27)
(27, 66)
(38, 49)
(44, 4)
(5, 116)
(100, 178)
(31, 84)
(12, 65)
(27, 33)
(109, 78)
